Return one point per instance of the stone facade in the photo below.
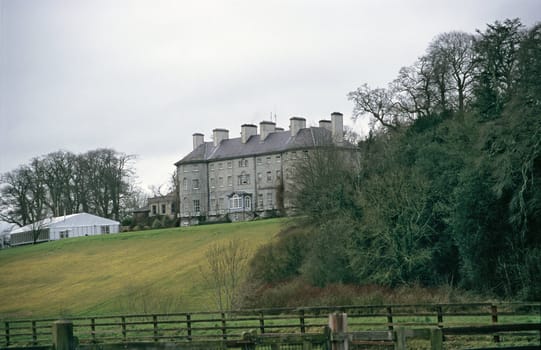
(250, 176)
(162, 206)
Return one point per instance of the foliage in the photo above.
(61, 183)
(447, 188)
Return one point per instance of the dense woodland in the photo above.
(447, 190)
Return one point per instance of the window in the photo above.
(212, 167)
(221, 203)
(213, 204)
(196, 205)
(268, 160)
(154, 209)
(278, 159)
(173, 208)
(221, 181)
(212, 182)
(163, 208)
(243, 163)
(195, 168)
(305, 154)
(269, 176)
(278, 175)
(259, 161)
(104, 229)
(260, 200)
(185, 184)
(244, 179)
(269, 198)
(235, 202)
(229, 164)
(230, 181)
(293, 155)
(259, 177)
(248, 203)
(195, 184)
(220, 165)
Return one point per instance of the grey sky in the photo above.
(142, 76)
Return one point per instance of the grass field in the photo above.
(154, 271)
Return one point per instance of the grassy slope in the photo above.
(127, 272)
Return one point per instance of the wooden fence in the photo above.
(304, 328)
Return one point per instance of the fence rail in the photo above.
(453, 319)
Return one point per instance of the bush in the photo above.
(280, 260)
(127, 221)
(157, 223)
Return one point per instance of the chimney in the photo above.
(219, 135)
(198, 140)
(325, 124)
(296, 124)
(246, 131)
(337, 121)
(265, 128)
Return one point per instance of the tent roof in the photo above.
(73, 220)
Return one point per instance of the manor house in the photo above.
(250, 176)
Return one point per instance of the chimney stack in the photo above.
(325, 124)
(265, 128)
(296, 124)
(246, 131)
(337, 121)
(219, 135)
(198, 140)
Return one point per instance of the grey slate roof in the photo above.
(278, 141)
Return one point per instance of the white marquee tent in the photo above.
(74, 225)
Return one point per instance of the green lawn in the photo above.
(147, 271)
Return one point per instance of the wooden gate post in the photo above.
(63, 335)
(338, 324)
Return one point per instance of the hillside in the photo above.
(132, 272)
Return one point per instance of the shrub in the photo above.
(157, 223)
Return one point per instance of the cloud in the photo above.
(142, 76)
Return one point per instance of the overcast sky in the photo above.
(142, 76)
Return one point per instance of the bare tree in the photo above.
(226, 265)
(377, 103)
(453, 57)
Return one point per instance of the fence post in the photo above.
(338, 324)
(494, 314)
(155, 324)
(124, 333)
(389, 318)
(189, 326)
(34, 333)
(440, 316)
(93, 329)
(7, 334)
(224, 329)
(436, 339)
(63, 335)
(400, 341)
(301, 318)
(261, 323)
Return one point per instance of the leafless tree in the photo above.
(226, 265)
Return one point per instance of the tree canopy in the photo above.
(447, 187)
